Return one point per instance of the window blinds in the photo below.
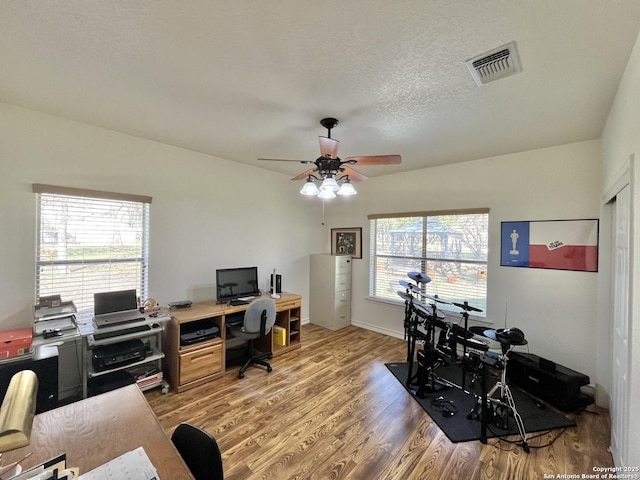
(88, 242)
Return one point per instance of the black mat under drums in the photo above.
(458, 427)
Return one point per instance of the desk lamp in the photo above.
(17, 411)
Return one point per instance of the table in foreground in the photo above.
(98, 429)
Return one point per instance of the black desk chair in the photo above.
(258, 321)
(200, 452)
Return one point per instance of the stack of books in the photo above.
(146, 376)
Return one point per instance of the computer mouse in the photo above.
(448, 413)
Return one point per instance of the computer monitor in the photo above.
(232, 283)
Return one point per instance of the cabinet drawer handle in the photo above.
(199, 358)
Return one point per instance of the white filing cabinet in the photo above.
(330, 287)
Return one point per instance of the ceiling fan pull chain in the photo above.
(323, 211)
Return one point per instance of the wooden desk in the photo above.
(98, 429)
(187, 366)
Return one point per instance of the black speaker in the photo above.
(553, 383)
(278, 284)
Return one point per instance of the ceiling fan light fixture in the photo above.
(328, 166)
(326, 193)
(347, 189)
(309, 188)
(330, 183)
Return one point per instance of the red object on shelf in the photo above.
(15, 343)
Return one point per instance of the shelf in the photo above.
(155, 355)
(92, 342)
(198, 345)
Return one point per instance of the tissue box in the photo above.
(14, 343)
(279, 336)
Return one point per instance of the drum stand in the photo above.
(429, 359)
(504, 401)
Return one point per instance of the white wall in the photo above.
(210, 213)
(621, 141)
(207, 213)
(556, 309)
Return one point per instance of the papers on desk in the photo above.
(133, 465)
(54, 469)
(60, 310)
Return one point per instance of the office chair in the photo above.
(200, 452)
(258, 321)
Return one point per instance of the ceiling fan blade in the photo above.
(354, 175)
(285, 160)
(375, 160)
(328, 147)
(304, 175)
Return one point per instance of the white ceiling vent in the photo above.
(498, 63)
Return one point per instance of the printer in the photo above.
(118, 354)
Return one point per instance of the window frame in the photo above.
(101, 199)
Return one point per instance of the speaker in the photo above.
(553, 383)
(278, 284)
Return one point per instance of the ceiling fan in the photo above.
(331, 169)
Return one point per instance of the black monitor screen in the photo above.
(111, 302)
(236, 282)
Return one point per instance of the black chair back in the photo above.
(200, 452)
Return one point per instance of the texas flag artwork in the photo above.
(559, 244)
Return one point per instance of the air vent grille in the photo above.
(498, 63)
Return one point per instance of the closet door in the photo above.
(620, 349)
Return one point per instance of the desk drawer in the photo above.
(287, 305)
(200, 363)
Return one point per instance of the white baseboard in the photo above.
(374, 328)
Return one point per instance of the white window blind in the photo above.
(450, 247)
(90, 242)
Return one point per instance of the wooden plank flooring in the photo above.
(332, 410)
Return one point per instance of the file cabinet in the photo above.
(330, 291)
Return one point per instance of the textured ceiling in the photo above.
(245, 79)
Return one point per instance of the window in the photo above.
(450, 247)
(90, 242)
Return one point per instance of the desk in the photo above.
(98, 429)
(187, 366)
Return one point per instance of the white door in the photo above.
(620, 348)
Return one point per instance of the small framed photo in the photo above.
(346, 242)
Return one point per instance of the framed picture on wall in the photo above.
(346, 242)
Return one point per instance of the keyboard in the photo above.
(235, 320)
(235, 303)
(123, 331)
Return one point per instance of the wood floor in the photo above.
(332, 410)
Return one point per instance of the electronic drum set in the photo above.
(446, 343)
